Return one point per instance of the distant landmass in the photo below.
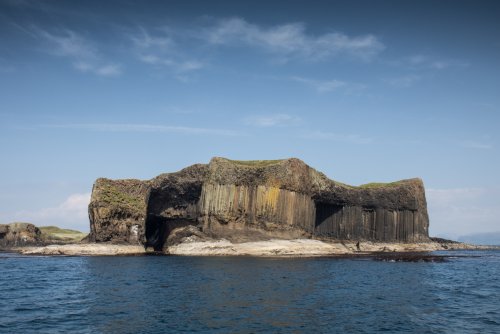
(489, 238)
(24, 234)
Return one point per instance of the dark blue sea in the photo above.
(168, 294)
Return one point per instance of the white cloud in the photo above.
(321, 86)
(123, 127)
(292, 40)
(82, 54)
(461, 211)
(74, 205)
(347, 138)
(71, 213)
(272, 120)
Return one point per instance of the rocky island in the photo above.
(236, 202)
(261, 207)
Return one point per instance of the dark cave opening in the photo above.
(326, 222)
(158, 229)
(156, 232)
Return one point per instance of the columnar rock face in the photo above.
(254, 200)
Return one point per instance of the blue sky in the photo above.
(361, 90)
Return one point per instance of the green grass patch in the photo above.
(55, 229)
(379, 184)
(121, 195)
(255, 163)
(61, 234)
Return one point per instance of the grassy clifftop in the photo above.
(124, 194)
(59, 234)
(255, 163)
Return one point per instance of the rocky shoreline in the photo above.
(268, 248)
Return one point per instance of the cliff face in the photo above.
(117, 210)
(249, 200)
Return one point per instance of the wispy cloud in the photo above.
(347, 138)
(292, 40)
(419, 67)
(179, 66)
(160, 50)
(184, 51)
(420, 61)
(404, 81)
(67, 43)
(82, 54)
(105, 70)
(272, 120)
(124, 127)
(475, 145)
(145, 40)
(321, 86)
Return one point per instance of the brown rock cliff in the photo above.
(255, 200)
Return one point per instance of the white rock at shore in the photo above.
(296, 247)
(91, 249)
(275, 247)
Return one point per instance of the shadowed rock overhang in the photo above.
(255, 200)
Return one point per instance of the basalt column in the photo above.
(275, 212)
(358, 223)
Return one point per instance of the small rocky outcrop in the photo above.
(255, 200)
(19, 234)
(185, 234)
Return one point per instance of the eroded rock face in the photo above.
(256, 200)
(19, 234)
(117, 211)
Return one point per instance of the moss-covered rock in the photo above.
(117, 210)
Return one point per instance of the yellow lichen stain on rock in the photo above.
(271, 197)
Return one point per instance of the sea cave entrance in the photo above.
(158, 229)
(327, 219)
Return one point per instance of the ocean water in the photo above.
(167, 294)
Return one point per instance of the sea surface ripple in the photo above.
(168, 294)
